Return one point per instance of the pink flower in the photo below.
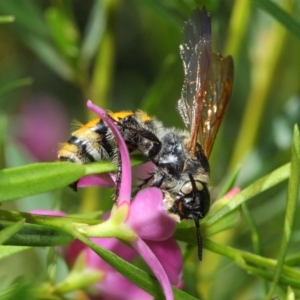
(143, 221)
(109, 279)
(43, 123)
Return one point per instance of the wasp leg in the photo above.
(118, 174)
(144, 183)
(149, 144)
(137, 137)
(159, 182)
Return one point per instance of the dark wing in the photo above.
(218, 91)
(196, 54)
(207, 82)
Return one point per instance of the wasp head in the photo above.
(192, 202)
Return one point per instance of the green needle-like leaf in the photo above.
(290, 294)
(63, 31)
(15, 85)
(6, 251)
(28, 15)
(160, 88)
(6, 19)
(49, 221)
(93, 32)
(292, 198)
(255, 236)
(244, 259)
(50, 55)
(280, 15)
(256, 188)
(37, 178)
(108, 166)
(35, 235)
(229, 181)
(9, 230)
(230, 220)
(293, 260)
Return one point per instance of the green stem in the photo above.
(7, 19)
(292, 198)
(3, 132)
(260, 185)
(241, 258)
(255, 236)
(63, 223)
(269, 276)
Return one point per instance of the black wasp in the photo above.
(180, 156)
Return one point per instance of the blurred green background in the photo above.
(124, 55)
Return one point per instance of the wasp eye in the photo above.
(199, 185)
(187, 188)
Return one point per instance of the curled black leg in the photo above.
(137, 137)
(159, 182)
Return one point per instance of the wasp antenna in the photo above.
(199, 238)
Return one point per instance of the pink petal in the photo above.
(125, 252)
(155, 265)
(113, 285)
(72, 251)
(143, 171)
(169, 254)
(125, 185)
(96, 180)
(37, 129)
(93, 261)
(116, 287)
(233, 192)
(148, 218)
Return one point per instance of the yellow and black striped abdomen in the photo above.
(94, 141)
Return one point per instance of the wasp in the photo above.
(180, 156)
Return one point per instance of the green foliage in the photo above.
(35, 179)
(280, 15)
(6, 19)
(14, 85)
(125, 56)
(20, 289)
(6, 233)
(34, 235)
